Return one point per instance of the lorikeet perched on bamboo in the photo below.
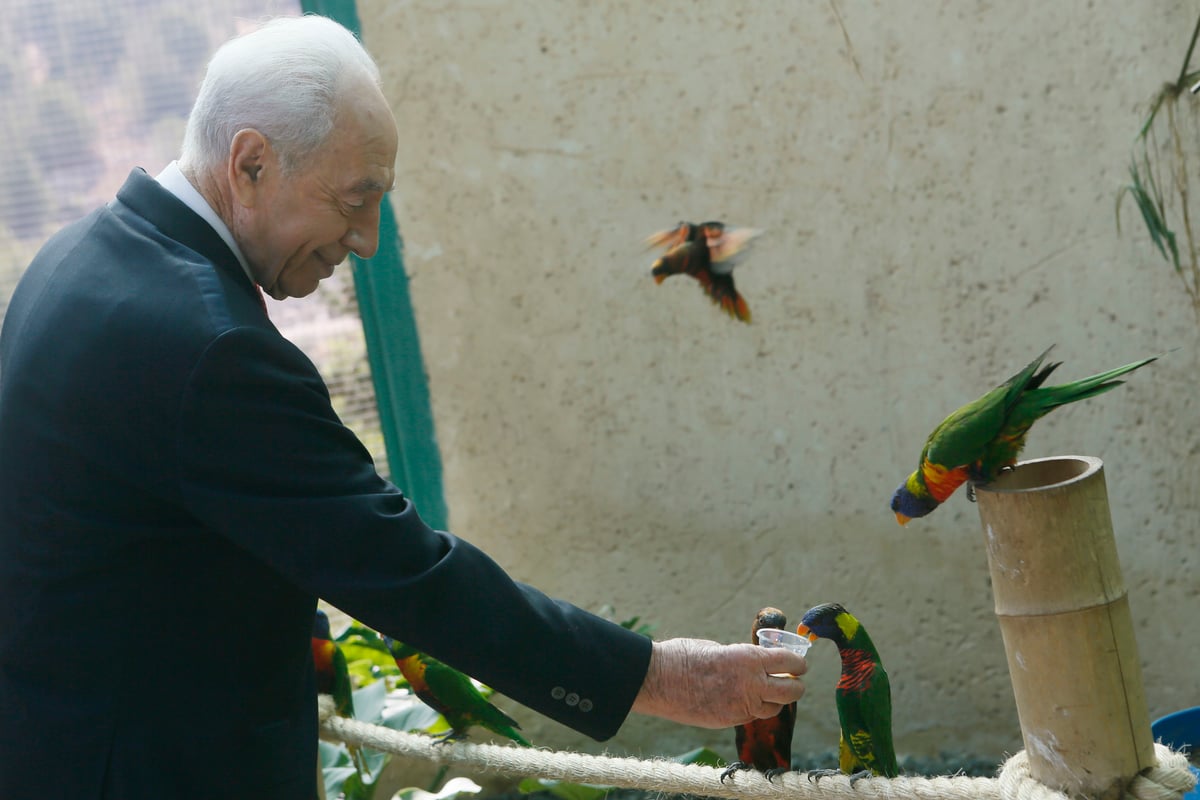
(708, 252)
(864, 695)
(451, 694)
(765, 744)
(333, 676)
(984, 437)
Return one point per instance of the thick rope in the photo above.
(1169, 780)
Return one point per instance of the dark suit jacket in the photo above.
(175, 493)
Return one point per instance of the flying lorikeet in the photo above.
(983, 438)
(765, 744)
(333, 676)
(451, 694)
(864, 695)
(708, 252)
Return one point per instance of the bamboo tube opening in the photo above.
(1064, 614)
(1045, 473)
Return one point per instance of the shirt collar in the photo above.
(174, 181)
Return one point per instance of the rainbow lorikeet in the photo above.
(708, 252)
(983, 438)
(863, 696)
(451, 694)
(333, 675)
(765, 744)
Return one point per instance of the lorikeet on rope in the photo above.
(983, 438)
(765, 744)
(864, 695)
(451, 694)
(708, 252)
(333, 676)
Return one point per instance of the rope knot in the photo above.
(1169, 779)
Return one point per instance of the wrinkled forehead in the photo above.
(364, 142)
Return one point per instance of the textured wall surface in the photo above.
(937, 185)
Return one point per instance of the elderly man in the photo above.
(176, 491)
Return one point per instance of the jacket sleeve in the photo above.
(264, 461)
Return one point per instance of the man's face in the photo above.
(302, 225)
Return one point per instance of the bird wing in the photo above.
(343, 689)
(865, 716)
(767, 743)
(674, 237)
(963, 437)
(725, 244)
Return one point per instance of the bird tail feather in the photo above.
(1088, 387)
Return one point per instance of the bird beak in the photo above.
(803, 630)
(903, 520)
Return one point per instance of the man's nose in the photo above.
(362, 237)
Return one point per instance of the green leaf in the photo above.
(564, 789)
(332, 755)
(355, 788)
(369, 702)
(702, 756)
(358, 650)
(416, 717)
(1150, 203)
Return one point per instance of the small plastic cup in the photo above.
(774, 637)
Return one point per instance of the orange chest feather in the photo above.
(322, 650)
(414, 672)
(942, 481)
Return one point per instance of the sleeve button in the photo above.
(558, 693)
(585, 705)
(572, 699)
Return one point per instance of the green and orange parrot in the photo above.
(863, 696)
(983, 438)
(451, 694)
(333, 676)
(708, 252)
(765, 744)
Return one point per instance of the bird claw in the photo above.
(732, 768)
(449, 736)
(815, 775)
(971, 491)
(772, 774)
(858, 776)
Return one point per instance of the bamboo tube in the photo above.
(1064, 614)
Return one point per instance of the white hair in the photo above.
(282, 79)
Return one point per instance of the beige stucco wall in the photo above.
(937, 183)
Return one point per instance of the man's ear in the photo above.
(249, 154)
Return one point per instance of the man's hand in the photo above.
(710, 685)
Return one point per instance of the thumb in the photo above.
(777, 660)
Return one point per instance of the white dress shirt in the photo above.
(175, 182)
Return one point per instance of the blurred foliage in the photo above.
(633, 623)
(383, 698)
(65, 67)
(1160, 176)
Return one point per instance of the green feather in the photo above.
(863, 696)
(452, 694)
(986, 435)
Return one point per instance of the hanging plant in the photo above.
(1159, 176)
